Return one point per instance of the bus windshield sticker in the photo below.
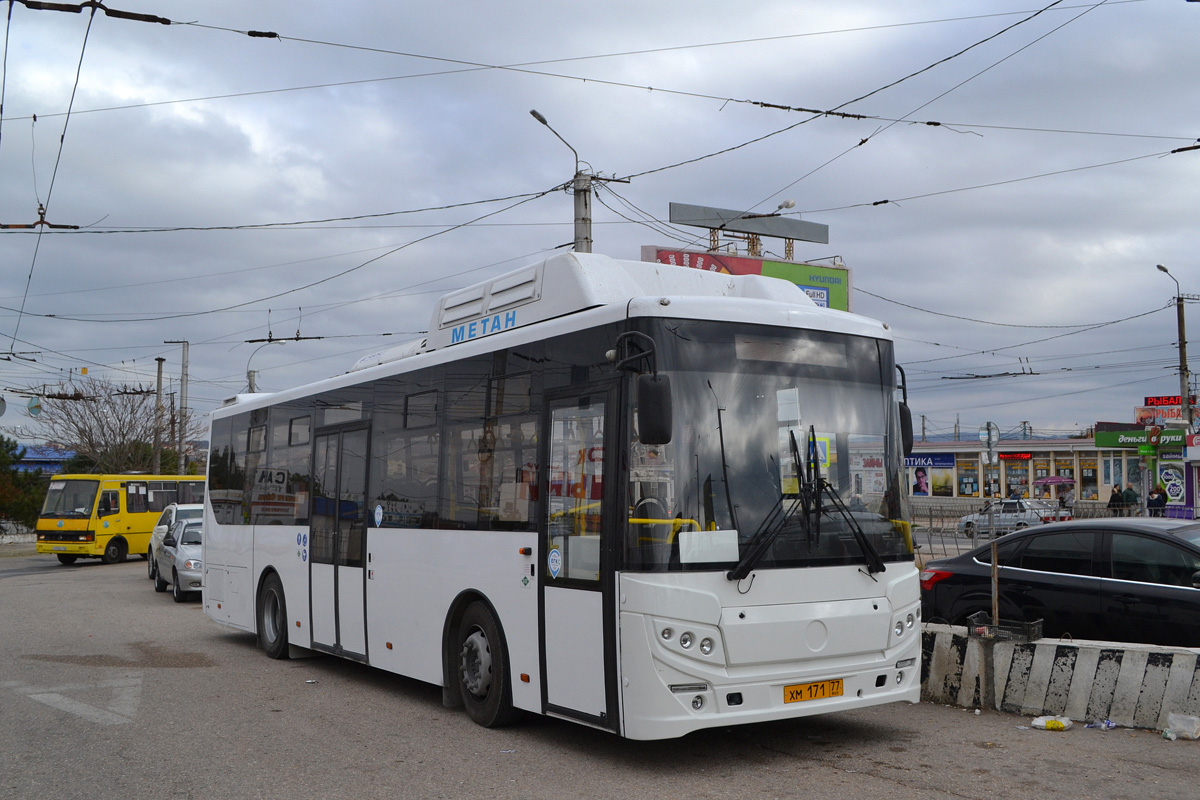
(554, 562)
(378, 516)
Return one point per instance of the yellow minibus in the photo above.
(108, 516)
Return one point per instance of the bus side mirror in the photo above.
(655, 418)
(906, 430)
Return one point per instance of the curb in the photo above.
(1133, 685)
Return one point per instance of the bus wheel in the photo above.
(63, 558)
(114, 551)
(272, 618)
(483, 669)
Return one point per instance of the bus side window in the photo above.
(110, 503)
(135, 498)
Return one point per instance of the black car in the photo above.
(1116, 580)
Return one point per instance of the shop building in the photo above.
(960, 471)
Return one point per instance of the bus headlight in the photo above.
(706, 646)
(899, 631)
(685, 640)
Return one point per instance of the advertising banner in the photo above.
(828, 287)
(1158, 415)
(932, 474)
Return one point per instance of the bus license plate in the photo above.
(58, 547)
(799, 692)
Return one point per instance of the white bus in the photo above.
(646, 498)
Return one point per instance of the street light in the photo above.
(1185, 395)
(582, 187)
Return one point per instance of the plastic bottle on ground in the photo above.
(1052, 723)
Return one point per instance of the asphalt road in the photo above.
(109, 690)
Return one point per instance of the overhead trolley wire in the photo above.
(54, 175)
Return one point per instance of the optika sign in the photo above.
(942, 460)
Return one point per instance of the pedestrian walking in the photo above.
(1130, 498)
(1067, 499)
(1156, 503)
(1116, 504)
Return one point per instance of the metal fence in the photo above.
(935, 524)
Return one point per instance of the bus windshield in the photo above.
(70, 499)
(758, 413)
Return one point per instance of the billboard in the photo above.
(828, 287)
(1159, 415)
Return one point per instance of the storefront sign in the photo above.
(1167, 400)
(930, 460)
(1016, 456)
(1131, 439)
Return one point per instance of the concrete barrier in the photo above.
(1134, 685)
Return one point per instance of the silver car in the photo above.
(170, 515)
(179, 560)
(1012, 515)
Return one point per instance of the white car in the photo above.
(179, 560)
(1012, 515)
(170, 515)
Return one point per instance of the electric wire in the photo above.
(311, 284)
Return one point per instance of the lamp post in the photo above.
(582, 187)
(1185, 397)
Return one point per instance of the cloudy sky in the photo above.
(334, 181)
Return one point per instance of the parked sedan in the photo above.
(179, 560)
(1119, 580)
(170, 515)
(1011, 515)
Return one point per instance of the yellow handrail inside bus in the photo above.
(676, 524)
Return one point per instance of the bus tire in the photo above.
(482, 671)
(65, 558)
(115, 551)
(177, 592)
(272, 618)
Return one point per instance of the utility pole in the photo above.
(583, 212)
(1185, 395)
(158, 413)
(181, 431)
(922, 427)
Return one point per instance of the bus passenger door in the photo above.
(337, 543)
(578, 644)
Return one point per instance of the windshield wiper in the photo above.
(812, 488)
(777, 519)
